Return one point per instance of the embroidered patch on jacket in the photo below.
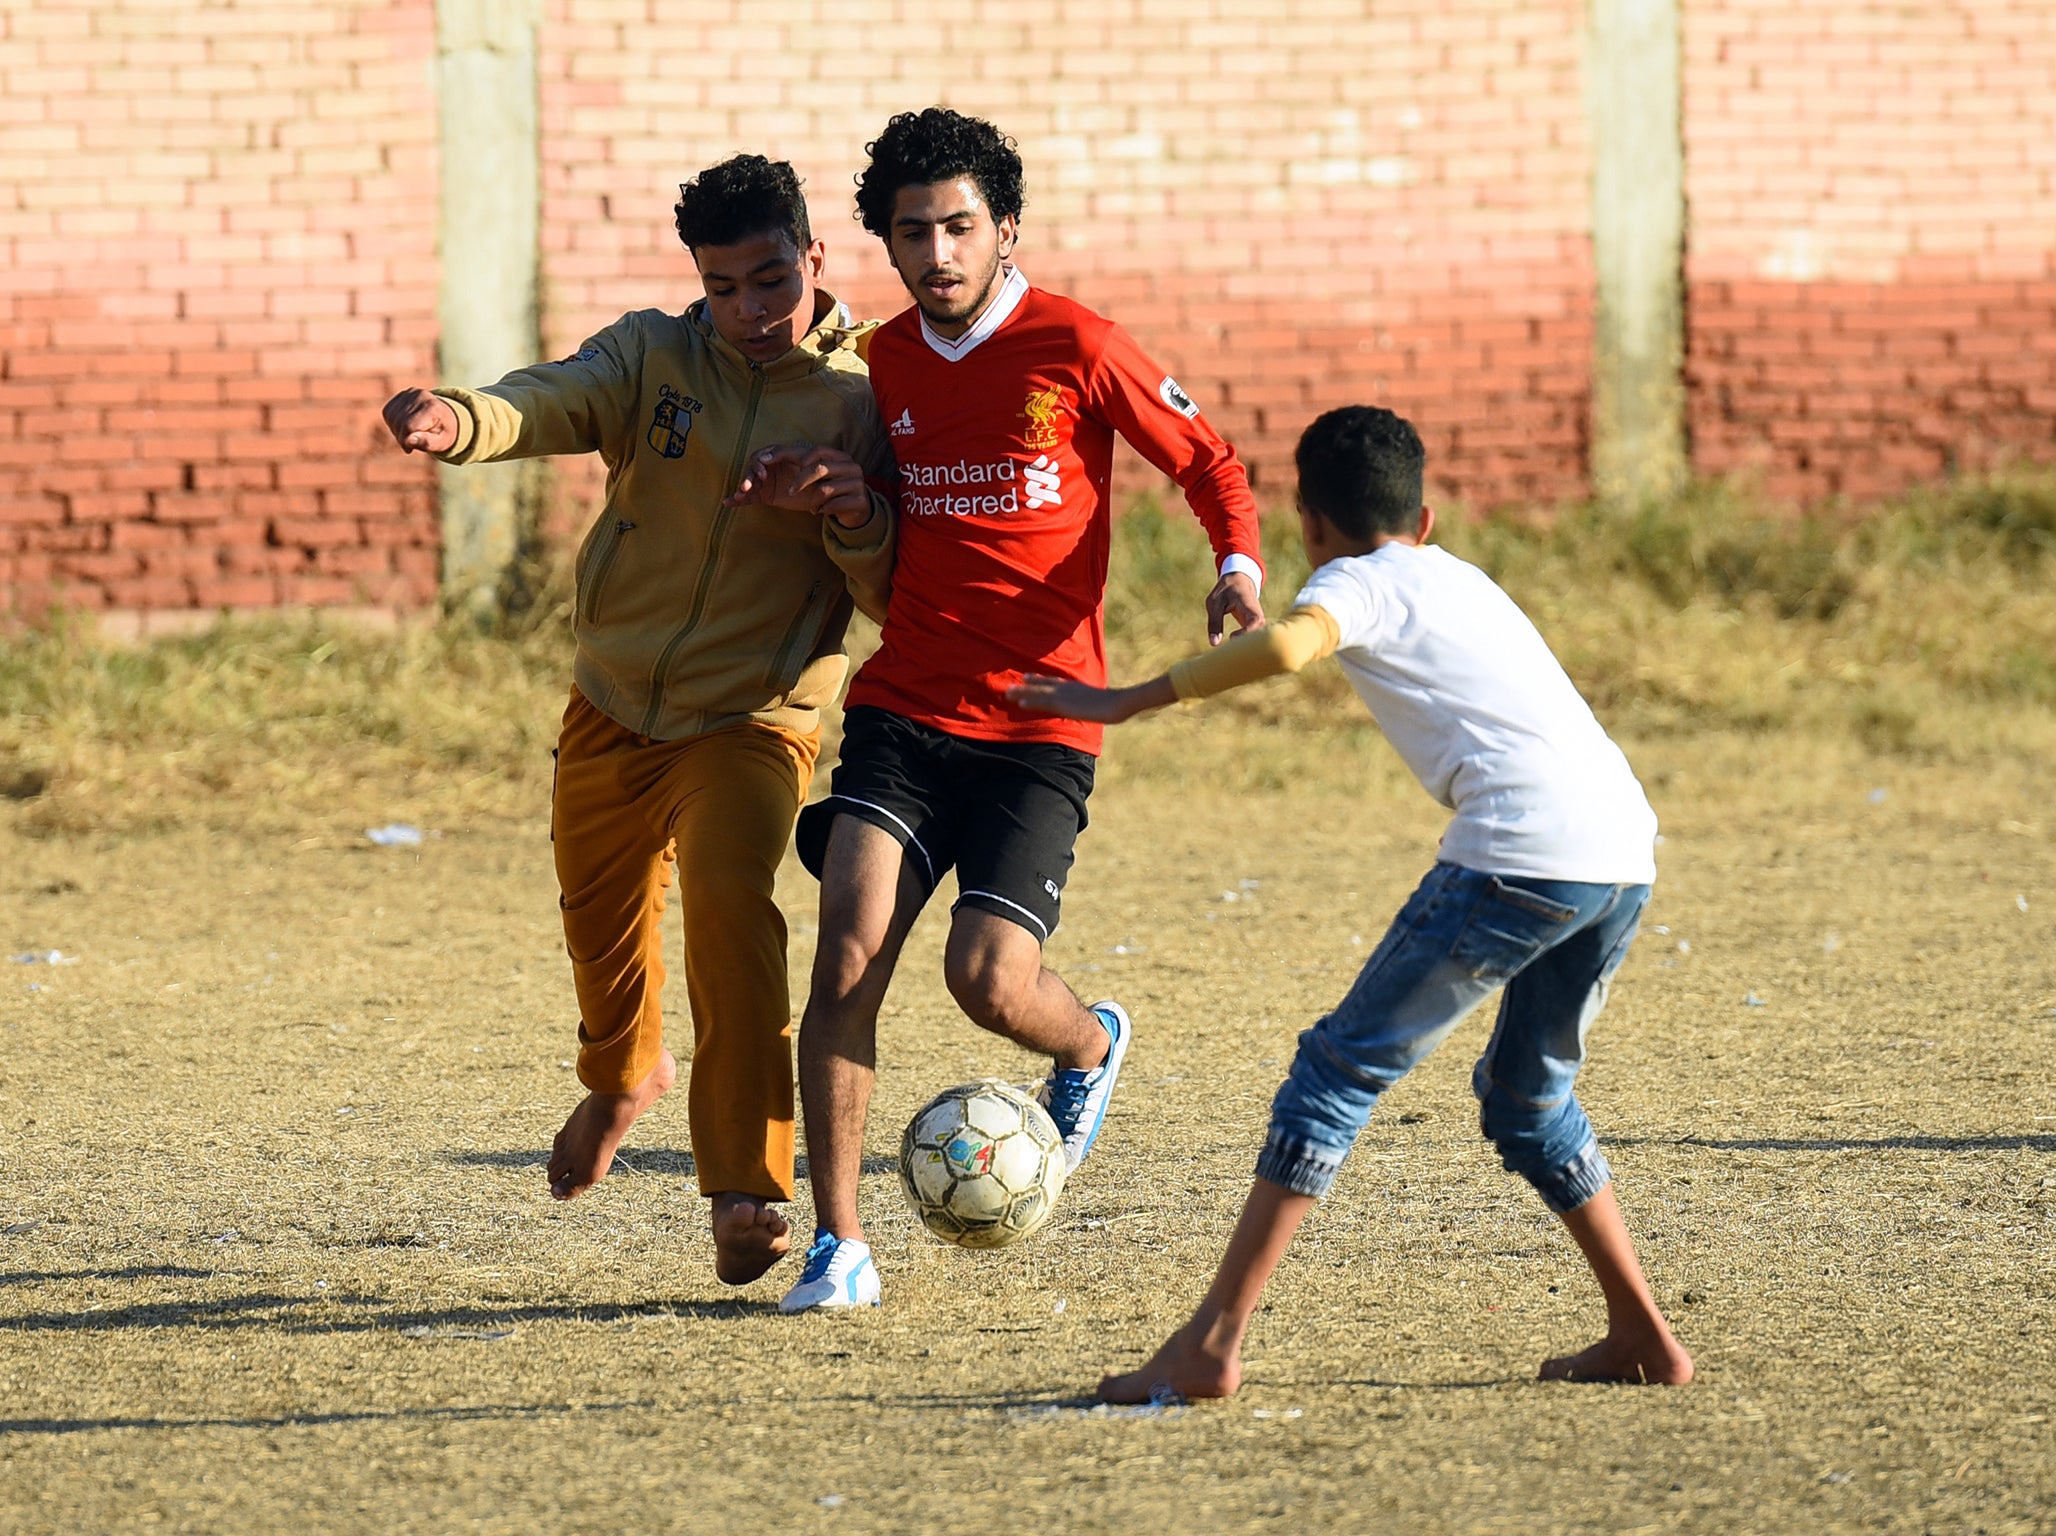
(671, 422)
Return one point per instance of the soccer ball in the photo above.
(982, 1165)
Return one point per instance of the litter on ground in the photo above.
(424, 1331)
(1162, 1403)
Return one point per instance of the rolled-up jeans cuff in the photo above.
(1576, 1181)
(1299, 1166)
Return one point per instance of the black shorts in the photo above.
(1004, 814)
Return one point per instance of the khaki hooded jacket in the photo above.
(691, 615)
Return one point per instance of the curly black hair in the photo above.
(918, 149)
(1360, 468)
(744, 195)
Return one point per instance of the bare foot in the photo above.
(1642, 1358)
(585, 1148)
(749, 1237)
(1193, 1362)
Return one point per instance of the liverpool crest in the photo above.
(1044, 408)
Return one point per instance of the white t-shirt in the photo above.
(1468, 693)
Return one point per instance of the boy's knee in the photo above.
(717, 886)
(842, 961)
(991, 968)
(1511, 1122)
(982, 987)
(612, 938)
(1508, 1131)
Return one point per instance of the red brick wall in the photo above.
(217, 248)
(1292, 203)
(1872, 272)
(218, 228)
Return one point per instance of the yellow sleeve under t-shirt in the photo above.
(1304, 635)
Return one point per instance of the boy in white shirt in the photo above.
(1538, 886)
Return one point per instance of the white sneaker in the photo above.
(1077, 1100)
(838, 1273)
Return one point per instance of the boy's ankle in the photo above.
(1216, 1333)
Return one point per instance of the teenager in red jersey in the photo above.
(1002, 402)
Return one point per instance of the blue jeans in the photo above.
(1552, 944)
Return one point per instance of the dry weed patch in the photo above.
(1924, 629)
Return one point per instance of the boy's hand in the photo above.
(1233, 595)
(421, 422)
(796, 478)
(1082, 701)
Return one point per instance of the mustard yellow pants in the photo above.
(629, 815)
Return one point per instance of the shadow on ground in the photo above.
(299, 1314)
(634, 1160)
(2021, 1143)
(314, 1420)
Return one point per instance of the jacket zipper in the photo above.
(794, 647)
(715, 537)
(601, 563)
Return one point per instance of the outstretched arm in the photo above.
(1148, 408)
(1302, 636)
(579, 405)
(421, 422)
(1082, 701)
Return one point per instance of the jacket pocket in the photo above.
(797, 645)
(1509, 927)
(599, 563)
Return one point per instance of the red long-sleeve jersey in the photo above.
(1005, 443)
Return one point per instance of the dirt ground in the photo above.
(277, 1251)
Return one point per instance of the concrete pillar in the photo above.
(1638, 230)
(491, 195)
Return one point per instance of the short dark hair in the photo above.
(918, 149)
(1360, 468)
(744, 195)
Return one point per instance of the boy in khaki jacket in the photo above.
(709, 623)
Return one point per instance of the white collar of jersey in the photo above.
(1013, 289)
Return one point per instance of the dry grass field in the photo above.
(275, 1250)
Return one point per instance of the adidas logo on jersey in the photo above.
(904, 427)
(1040, 485)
